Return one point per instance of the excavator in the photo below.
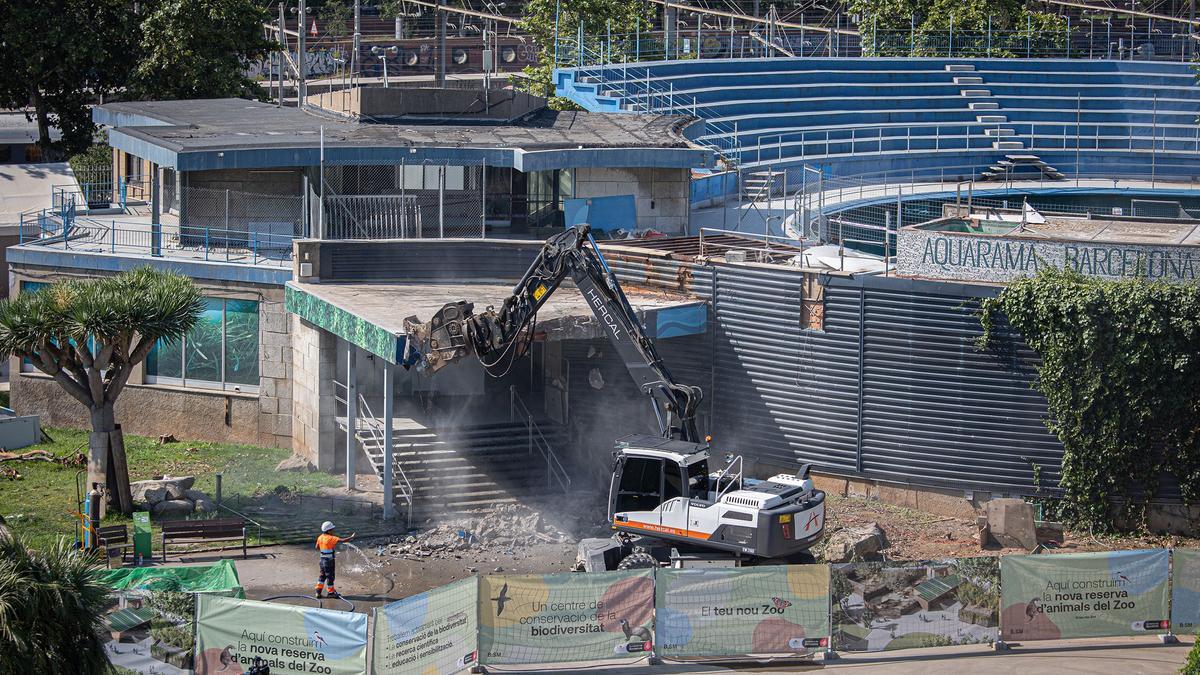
(665, 494)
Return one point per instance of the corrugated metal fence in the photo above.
(892, 388)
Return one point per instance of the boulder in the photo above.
(196, 495)
(854, 544)
(173, 507)
(296, 463)
(152, 496)
(1010, 523)
(175, 488)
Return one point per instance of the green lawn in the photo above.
(40, 505)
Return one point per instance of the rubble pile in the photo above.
(503, 528)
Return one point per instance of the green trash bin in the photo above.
(141, 537)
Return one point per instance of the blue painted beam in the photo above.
(113, 262)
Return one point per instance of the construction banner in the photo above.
(1185, 590)
(933, 603)
(554, 618)
(1051, 597)
(772, 609)
(434, 633)
(230, 633)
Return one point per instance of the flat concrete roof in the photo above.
(236, 133)
(372, 315)
(29, 187)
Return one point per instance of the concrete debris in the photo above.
(296, 463)
(504, 528)
(1010, 522)
(855, 544)
(1049, 532)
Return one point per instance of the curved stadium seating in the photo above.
(858, 115)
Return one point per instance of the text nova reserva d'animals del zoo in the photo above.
(1171, 264)
(298, 654)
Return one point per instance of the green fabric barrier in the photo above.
(1185, 590)
(557, 618)
(431, 633)
(221, 576)
(1076, 595)
(290, 639)
(773, 609)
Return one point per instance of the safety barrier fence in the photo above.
(573, 49)
(777, 611)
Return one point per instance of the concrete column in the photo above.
(155, 211)
(389, 441)
(314, 409)
(351, 416)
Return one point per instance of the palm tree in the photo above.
(51, 606)
(89, 335)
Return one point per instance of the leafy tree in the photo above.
(60, 55)
(336, 17)
(89, 335)
(201, 49)
(889, 26)
(1121, 375)
(621, 18)
(51, 604)
(1192, 665)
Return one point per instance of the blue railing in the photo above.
(48, 228)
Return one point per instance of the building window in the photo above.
(219, 352)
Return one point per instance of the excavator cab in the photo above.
(666, 489)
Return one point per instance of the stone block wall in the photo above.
(314, 370)
(263, 418)
(661, 195)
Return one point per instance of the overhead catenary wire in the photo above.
(752, 19)
(1128, 12)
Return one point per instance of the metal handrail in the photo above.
(372, 427)
(734, 478)
(554, 468)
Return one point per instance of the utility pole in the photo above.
(301, 61)
(283, 55)
(357, 38)
(441, 38)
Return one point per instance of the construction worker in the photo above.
(327, 546)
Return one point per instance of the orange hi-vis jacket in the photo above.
(327, 545)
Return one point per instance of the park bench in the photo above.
(113, 538)
(182, 532)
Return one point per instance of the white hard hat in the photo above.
(327, 526)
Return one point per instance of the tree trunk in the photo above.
(106, 460)
(43, 120)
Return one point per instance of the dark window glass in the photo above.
(640, 480)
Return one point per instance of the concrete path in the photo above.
(1128, 656)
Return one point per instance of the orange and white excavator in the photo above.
(663, 487)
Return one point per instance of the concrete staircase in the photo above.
(451, 469)
(760, 185)
(1003, 138)
(1022, 167)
